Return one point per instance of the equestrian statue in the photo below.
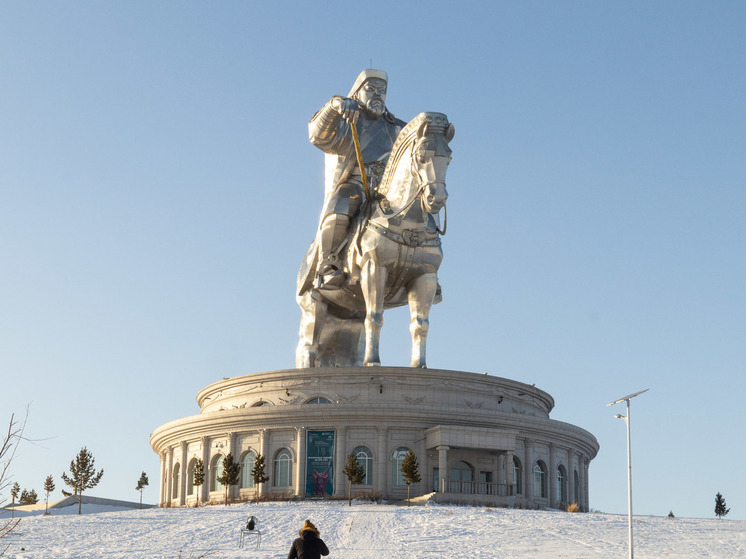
(378, 242)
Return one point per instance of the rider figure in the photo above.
(330, 131)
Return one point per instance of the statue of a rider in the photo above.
(330, 130)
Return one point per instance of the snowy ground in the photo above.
(368, 531)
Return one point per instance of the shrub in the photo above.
(573, 507)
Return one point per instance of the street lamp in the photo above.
(629, 461)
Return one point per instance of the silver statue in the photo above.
(378, 243)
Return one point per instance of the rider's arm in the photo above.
(324, 126)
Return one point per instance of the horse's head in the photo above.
(417, 165)
(430, 158)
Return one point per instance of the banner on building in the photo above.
(319, 463)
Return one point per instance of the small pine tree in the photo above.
(24, 498)
(14, 492)
(141, 484)
(231, 474)
(720, 508)
(33, 498)
(82, 475)
(48, 488)
(410, 470)
(257, 472)
(355, 474)
(199, 477)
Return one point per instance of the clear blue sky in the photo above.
(158, 191)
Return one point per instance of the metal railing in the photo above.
(478, 488)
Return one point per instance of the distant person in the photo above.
(309, 545)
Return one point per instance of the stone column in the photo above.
(205, 487)
(509, 478)
(421, 453)
(169, 475)
(500, 474)
(442, 467)
(183, 474)
(382, 462)
(264, 446)
(586, 498)
(339, 461)
(553, 476)
(571, 458)
(300, 470)
(163, 488)
(528, 472)
(232, 447)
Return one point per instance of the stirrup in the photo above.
(328, 275)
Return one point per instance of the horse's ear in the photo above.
(450, 132)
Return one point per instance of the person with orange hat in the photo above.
(309, 545)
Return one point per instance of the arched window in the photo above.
(561, 484)
(365, 459)
(247, 464)
(216, 470)
(319, 400)
(175, 482)
(397, 478)
(261, 404)
(190, 477)
(283, 468)
(540, 478)
(461, 471)
(517, 476)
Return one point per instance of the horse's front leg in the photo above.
(421, 293)
(373, 283)
(313, 315)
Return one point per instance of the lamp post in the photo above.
(629, 462)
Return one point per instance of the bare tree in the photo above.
(8, 446)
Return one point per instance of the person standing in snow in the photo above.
(309, 545)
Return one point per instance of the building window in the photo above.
(261, 404)
(283, 468)
(319, 400)
(540, 478)
(365, 459)
(216, 470)
(247, 464)
(397, 478)
(517, 476)
(461, 471)
(175, 483)
(190, 477)
(561, 485)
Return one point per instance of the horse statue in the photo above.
(393, 255)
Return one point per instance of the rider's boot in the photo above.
(330, 273)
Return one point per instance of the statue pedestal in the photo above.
(492, 435)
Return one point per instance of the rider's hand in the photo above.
(349, 109)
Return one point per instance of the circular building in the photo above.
(478, 439)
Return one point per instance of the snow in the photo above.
(367, 530)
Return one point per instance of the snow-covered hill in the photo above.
(369, 531)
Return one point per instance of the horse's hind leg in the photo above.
(421, 293)
(373, 283)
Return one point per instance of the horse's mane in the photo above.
(404, 141)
